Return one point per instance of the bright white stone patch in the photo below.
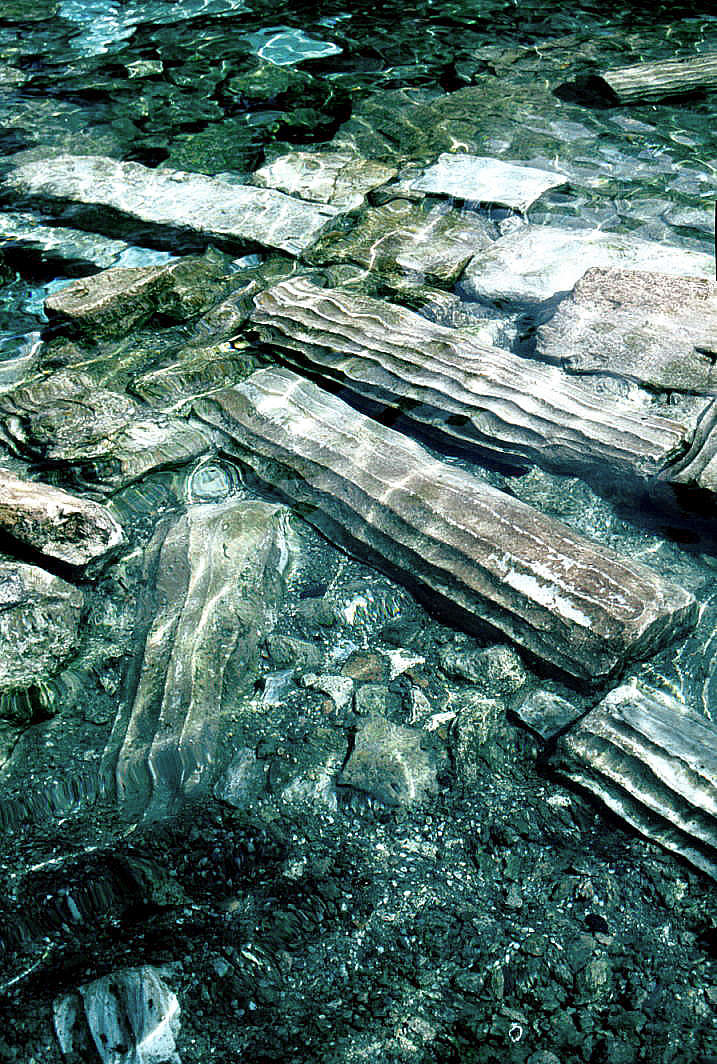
(486, 180)
(536, 262)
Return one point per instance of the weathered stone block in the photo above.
(449, 535)
(653, 328)
(653, 762)
(61, 526)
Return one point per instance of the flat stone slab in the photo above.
(652, 328)
(446, 534)
(443, 380)
(60, 526)
(98, 439)
(481, 179)
(653, 761)
(339, 178)
(114, 302)
(536, 263)
(39, 624)
(210, 208)
(405, 238)
(23, 234)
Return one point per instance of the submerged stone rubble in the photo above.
(358, 450)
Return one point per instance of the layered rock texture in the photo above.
(218, 573)
(652, 761)
(449, 534)
(461, 390)
(339, 178)
(95, 438)
(400, 237)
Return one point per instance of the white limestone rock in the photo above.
(210, 208)
(533, 264)
(481, 179)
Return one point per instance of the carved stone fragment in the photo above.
(653, 328)
(127, 1017)
(463, 391)
(447, 534)
(653, 762)
(207, 209)
(61, 526)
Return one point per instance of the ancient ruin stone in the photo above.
(219, 579)
(127, 1017)
(460, 390)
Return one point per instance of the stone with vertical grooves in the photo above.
(218, 581)
(448, 535)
